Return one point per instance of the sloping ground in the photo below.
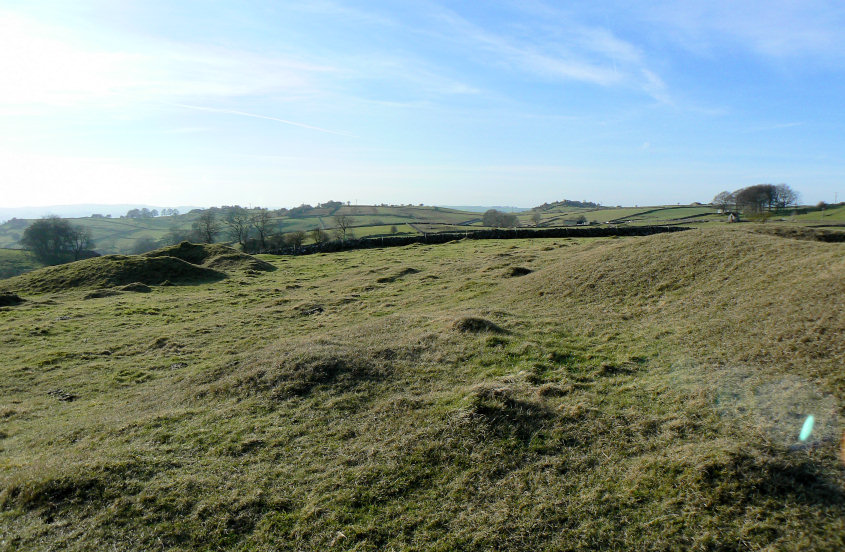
(732, 296)
(804, 233)
(215, 256)
(16, 261)
(619, 394)
(109, 271)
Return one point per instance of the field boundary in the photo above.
(495, 234)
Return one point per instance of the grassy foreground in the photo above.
(549, 394)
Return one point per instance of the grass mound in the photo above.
(111, 271)
(215, 256)
(299, 372)
(474, 324)
(137, 287)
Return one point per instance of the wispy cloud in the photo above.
(779, 29)
(560, 49)
(265, 117)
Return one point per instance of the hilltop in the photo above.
(596, 393)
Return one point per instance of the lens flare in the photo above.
(808, 428)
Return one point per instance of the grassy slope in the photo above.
(831, 215)
(643, 393)
(16, 261)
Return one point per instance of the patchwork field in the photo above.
(550, 394)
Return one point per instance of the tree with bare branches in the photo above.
(343, 227)
(237, 221)
(262, 221)
(206, 227)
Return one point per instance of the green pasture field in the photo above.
(541, 394)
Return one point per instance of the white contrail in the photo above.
(257, 116)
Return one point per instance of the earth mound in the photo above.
(137, 287)
(216, 256)
(111, 271)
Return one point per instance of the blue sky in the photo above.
(509, 103)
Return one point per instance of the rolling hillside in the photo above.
(123, 235)
(549, 394)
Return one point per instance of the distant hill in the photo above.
(77, 211)
(483, 208)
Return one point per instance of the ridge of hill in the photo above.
(638, 393)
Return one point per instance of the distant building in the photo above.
(733, 217)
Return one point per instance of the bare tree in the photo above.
(319, 236)
(343, 226)
(262, 221)
(206, 227)
(756, 199)
(238, 223)
(79, 241)
(785, 196)
(536, 217)
(724, 201)
(295, 239)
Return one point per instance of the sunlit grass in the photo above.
(617, 393)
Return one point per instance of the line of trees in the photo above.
(253, 229)
(54, 240)
(151, 213)
(498, 219)
(757, 199)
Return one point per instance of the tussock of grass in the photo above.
(474, 324)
